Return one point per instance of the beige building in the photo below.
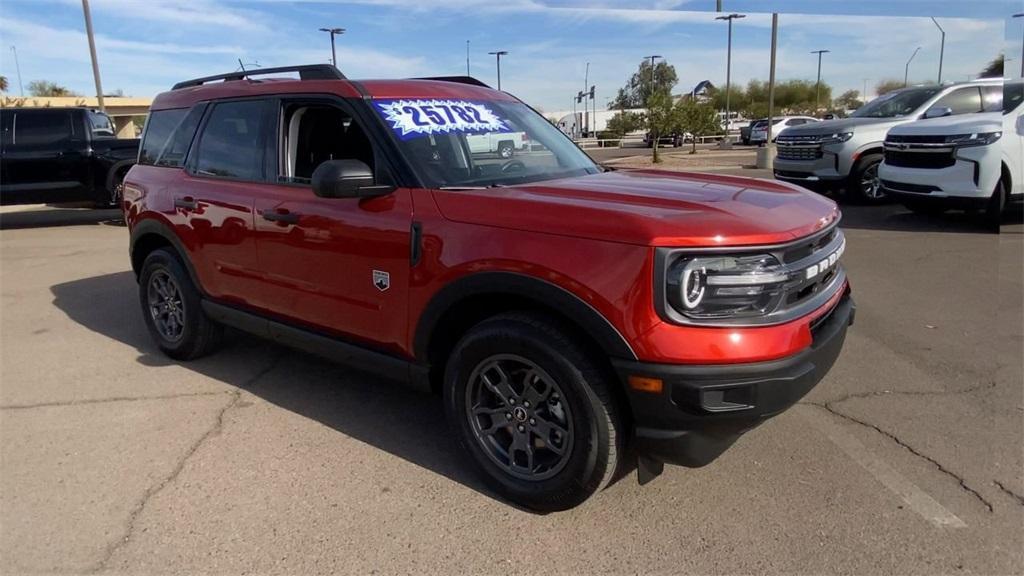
(120, 109)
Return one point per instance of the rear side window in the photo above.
(46, 127)
(159, 127)
(961, 101)
(174, 152)
(992, 98)
(100, 125)
(230, 145)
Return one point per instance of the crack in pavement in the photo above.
(963, 483)
(152, 491)
(1011, 493)
(968, 390)
(106, 400)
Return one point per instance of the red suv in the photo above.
(574, 318)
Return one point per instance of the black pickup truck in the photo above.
(54, 155)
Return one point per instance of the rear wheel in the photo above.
(505, 150)
(864, 183)
(534, 411)
(172, 308)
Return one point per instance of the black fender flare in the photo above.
(150, 227)
(611, 341)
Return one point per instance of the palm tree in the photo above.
(994, 68)
(3, 83)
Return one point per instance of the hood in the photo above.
(649, 208)
(845, 125)
(948, 125)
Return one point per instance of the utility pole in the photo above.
(906, 69)
(92, 53)
(21, 87)
(718, 7)
(942, 48)
(467, 59)
(497, 56)
(333, 32)
(728, 70)
(817, 86)
(864, 93)
(586, 109)
(1021, 48)
(766, 155)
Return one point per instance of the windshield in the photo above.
(461, 143)
(896, 103)
(1013, 95)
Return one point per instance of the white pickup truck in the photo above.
(503, 143)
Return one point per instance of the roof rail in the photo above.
(306, 72)
(460, 79)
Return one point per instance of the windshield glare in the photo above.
(456, 144)
(896, 103)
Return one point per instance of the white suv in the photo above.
(759, 130)
(846, 153)
(968, 162)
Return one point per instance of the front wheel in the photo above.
(505, 150)
(172, 308)
(864, 183)
(534, 411)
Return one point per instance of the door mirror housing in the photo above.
(938, 112)
(346, 179)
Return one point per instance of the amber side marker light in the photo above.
(643, 384)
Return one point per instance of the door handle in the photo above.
(188, 203)
(281, 217)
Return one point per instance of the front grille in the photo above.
(904, 187)
(916, 159)
(801, 153)
(799, 251)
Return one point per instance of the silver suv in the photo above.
(846, 153)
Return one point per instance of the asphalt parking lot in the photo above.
(906, 459)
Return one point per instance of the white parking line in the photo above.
(917, 499)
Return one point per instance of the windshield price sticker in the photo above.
(411, 118)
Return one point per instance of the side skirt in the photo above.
(370, 361)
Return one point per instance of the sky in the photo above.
(145, 46)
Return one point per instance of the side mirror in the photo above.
(938, 112)
(346, 179)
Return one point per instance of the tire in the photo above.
(505, 150)
(995, 207)
(573, 412)
(111, 195)
(857, 185)
(926, 208)
(190, 334)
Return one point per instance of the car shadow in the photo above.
(54, 216)
(895, 217)
(401, 421)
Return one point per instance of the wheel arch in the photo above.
(464, 303)
(116, 168)
(149, 235)
(1005, 176)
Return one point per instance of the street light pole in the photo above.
(906, 70)
(942, 47)
(21, 87)
(817, 85)
(497, 56)
(728, 68)
(333, 32)
(92, 53)
(586, 110)
(652, 57)
(1021, 47)
(467, 59)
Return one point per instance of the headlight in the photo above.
(837, 138)
(976, 139)
(726, 286)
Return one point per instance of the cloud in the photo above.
(206, 13)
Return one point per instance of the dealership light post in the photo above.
(728, 68)
(333, 32)
(586, 109)
(21, 87)
(652, 57)
(92, 53)
(1021, 15)
(817, 85)
(497, 57)
(942, 47)
(906, 70)
(467, 59)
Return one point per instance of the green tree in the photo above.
(660, 119)
(642, 84)
(697, 119)
(849, 100)
(888, 85)
(994, 69)
(44, 88)
(3, 83)
(625, 122)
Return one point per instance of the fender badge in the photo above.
(382, 280)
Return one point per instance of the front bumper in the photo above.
(974, 175)
(702, 410)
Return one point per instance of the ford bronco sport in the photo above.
(569, 315)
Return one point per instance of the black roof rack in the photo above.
(307, 72)
(460, 79)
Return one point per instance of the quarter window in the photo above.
(159, 127)
(961, 101)
(230, 145)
